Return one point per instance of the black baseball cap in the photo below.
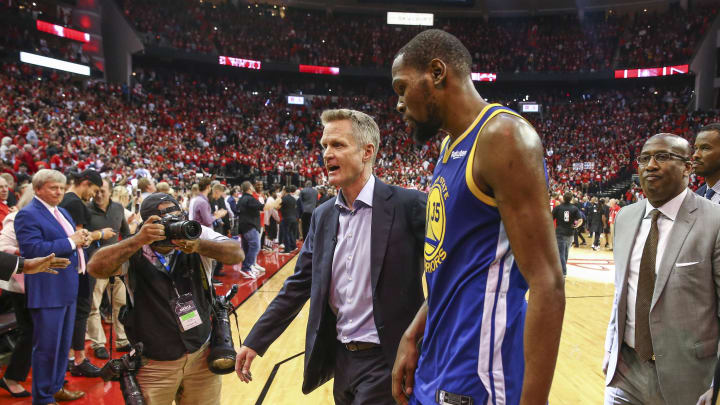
(149, 206)
(90, 175)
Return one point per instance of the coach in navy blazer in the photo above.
(50, 298)
(392, 291)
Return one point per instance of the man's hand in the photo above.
(705, 398)
(151, 231)
(243, 360)
(220, 213)
(45, 264)
(403, 373)
(81, 237)
(606, 362)
(107, 233)
(187, 246)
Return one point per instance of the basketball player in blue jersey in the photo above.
(489, 238)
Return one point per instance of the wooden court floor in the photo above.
(277, 377)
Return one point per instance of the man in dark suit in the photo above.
(289, 219)
(706, 161)
(43, 228)
(11, 264)
(308, 200)
(363, 293)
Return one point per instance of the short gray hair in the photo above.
(365, 129)
(47, 176)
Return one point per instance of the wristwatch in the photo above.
(20, 265)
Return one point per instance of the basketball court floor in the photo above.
(277, 377)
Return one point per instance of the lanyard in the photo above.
(164, 262)
(167, 267)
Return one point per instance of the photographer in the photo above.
(170, 302)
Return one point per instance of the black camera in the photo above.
(221, 359)
(124, 370)
(177, 227)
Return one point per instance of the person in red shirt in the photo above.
(4, 209)
(614, 209)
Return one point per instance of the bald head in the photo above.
(676, 143)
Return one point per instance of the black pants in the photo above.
(19, 366)
(272, 229)
(578, 234)
(289, 234)
(306, 217)
(86, 285)
(362, 378)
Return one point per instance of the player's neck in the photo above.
(463, 111)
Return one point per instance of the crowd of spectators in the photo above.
(661, 39)
(175, 127)
(527, 44)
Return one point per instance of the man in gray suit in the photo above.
(662, 340)
(308, 202)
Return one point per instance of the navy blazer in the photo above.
(39, 234)
(398, 236)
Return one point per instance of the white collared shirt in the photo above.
(669, 212)
(52, 212)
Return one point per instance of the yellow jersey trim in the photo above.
(444, 144)
(468, 168)
(467, 131)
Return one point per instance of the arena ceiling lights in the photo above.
(652, 72)
(239, 62)
(62, 32)
(395, 18)
(53, 63)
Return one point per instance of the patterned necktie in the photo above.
(709, 193)
(645, 288)
(68, 230)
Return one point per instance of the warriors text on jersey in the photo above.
(472, 351)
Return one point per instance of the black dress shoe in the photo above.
(123, 349)
(85, 369)
(101, 353)
(4, 386)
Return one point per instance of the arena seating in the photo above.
(545, 43)
(178, 125)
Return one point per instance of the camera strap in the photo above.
(213, 300)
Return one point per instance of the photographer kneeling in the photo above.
(170, 301)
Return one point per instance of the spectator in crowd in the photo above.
(308, 201)
(106, 214)
(43, 228)
(567, 218)
(19, 366)
(289, 219)
(248, 214)
(177, 349)
(84, 187)
(11, 198)
(595, 221)
(146, 186)
(4, 191)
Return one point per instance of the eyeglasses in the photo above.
(660, 157)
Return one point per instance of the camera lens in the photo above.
(188, 230)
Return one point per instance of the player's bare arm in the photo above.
(508, 165)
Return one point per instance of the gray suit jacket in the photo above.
(684, 320)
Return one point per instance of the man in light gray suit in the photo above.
(662, 340)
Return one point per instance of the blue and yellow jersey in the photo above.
(473, 342)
